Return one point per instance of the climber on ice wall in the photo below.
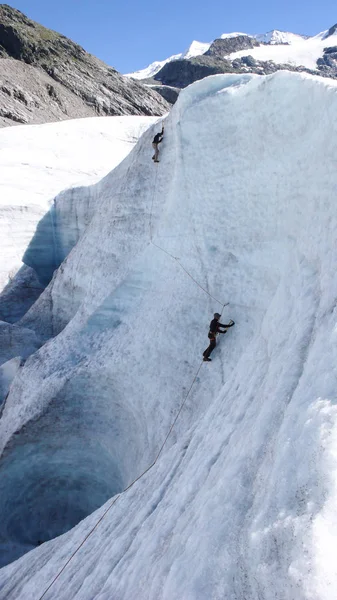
(156, 140)
(214, 329)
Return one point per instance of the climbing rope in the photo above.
(126, 489)
(176, 258)
(173, 423)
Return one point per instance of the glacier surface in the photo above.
(39, 161)
(242, 500)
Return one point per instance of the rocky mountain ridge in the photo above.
(236, 53)
(44, 76)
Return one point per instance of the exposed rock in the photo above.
(250, 61)
(180, 73)
(331, 31)
(169, 93)
(28, 95)
(330, 50)
(328, 63)
(249, 64)
(223, 47)
(63, 80)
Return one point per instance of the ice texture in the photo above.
(242, 502)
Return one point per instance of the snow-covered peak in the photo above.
(279, 37)
(330, 32)
(153, 68)
(234, 34)
(327, 34)
(271, 38)
(298, 50)
(194, 49)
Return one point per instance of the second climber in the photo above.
(156, 141)
(214, 329)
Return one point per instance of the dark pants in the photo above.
(210, 348)
(156, 151)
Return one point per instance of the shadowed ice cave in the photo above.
(64, 465)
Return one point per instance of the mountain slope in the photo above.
(200, 48)
(62, 80)
(262, 54)
(195, 49)
(279, 37)
(242, 501)
(301, 52)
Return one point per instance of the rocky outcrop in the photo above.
(248, 64)
(328, 63)
(28, 95)
(225, 46)
(331, 31)
(169, 93)
(180, 73)
(52, 78)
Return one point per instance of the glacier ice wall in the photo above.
(242, 500)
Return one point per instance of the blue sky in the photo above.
(130, 34)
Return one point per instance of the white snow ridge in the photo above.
(195, 49)
(241, 503)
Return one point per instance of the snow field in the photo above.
(280, 46)
(299, 52)
(39, 161)
(242, 502)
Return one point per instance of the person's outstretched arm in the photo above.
(162, 134)
(226, 325)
